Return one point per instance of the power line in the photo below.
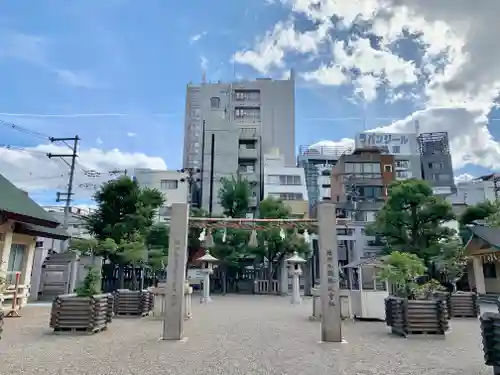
(24, 130)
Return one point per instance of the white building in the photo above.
(285, 183)
(76, 225)
(473, 192)
(174, 186)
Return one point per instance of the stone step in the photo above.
(489, 298)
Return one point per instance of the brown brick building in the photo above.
(359, 183)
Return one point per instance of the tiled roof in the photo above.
(14, 201)
(488, 234)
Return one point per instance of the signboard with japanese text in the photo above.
(390, 143)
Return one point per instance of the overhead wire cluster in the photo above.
(92, 175)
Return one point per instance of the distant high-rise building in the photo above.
(318, 161)
(230, 126)
(435, 158)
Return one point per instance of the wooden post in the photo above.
(14, 311)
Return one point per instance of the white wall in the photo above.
(274, 166)
(172, 184)
(473, 192)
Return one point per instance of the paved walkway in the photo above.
(236, 335)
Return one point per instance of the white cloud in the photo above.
(30, 169)
(99, 141)
(456, 83)
(464, 177)
(77, 79)
(195, 38)
(269, 51)
(131, 134)
(203, 63)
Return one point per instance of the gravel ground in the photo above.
(236, 335)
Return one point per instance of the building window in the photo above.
(288, 196)
(388, 168)
(16, 258)
(246, 168)
(284, 180)
(169, 184)
(436, 165)
(39, 244)
(402, 164)
(441, 177)
(396, 149)
(489, 270)
(402, 174)
(215, 102)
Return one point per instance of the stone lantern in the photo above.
(295, 261)
(207, 262)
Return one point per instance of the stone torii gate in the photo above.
(173, 327)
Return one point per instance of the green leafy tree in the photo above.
(412, 219)
(452, 261)
(272, 246)
(480, 211)
(493, 218)
(401, 270)
(234, 196)
(124, 210)
(194, 232)
(157, 242)
(83, 246)
(91, 283)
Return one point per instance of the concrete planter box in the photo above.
(490, 329)
(409, 317)
(1, 323)
(133, 302)
(71, 313)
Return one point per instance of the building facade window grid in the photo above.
(169, 184)
(287, 180)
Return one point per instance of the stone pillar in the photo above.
(205, 299)
(283, 278)
(27, 264)
(477, 264)
(296, 300)
(5, 251)
(188, 292)
(308, 281)
(173, 325)
(331, 323)
(316, 315)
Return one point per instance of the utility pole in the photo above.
(192, 178)
(68, 194)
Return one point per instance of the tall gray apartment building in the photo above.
(230, 126)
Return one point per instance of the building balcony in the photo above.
(249, 176)
(363, 179)
(248, 153)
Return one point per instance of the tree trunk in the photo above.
(121, 276)
(134, 277)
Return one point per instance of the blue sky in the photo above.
(131, 61)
